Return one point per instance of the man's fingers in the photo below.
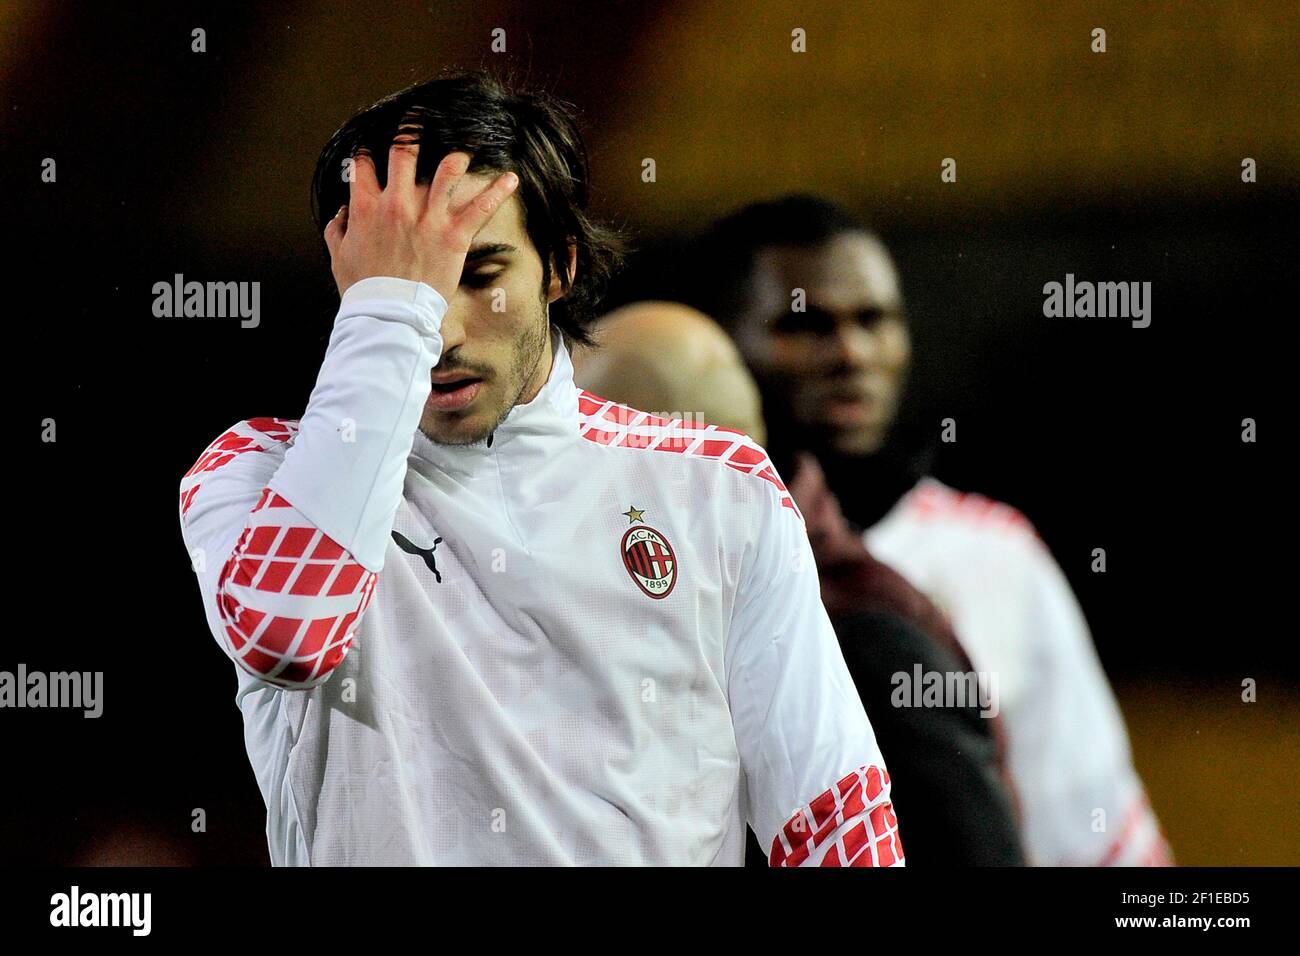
(335, 229)
(479, 210)
(365, 181)
(449, 172)
(403, 155)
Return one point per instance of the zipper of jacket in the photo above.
(505, 500)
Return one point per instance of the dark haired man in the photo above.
(481, 616)
(832, 373)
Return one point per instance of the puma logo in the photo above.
(426, 553)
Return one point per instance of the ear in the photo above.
(556, 290)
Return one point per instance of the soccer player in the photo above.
(481, 616)
(832, 375)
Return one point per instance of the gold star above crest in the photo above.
(633, 515)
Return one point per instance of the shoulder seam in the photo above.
(251, 434)
(613, 424)
(935, 500)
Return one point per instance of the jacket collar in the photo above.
(552, 414)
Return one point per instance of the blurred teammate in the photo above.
(832, 368)
(480, 616)
(652, 354)
(949, 786)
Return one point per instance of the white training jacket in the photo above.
(598, 639)
(1081, 802)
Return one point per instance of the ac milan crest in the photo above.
(650, 560)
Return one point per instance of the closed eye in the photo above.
(480, 280)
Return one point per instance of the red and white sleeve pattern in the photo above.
(288, 597)
(851, 824)
(1141, 841)
(288, 524)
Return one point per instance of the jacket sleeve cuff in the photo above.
(420, 303)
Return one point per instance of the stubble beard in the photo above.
(528, 349)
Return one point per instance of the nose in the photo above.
(852, 345)
(452, 330)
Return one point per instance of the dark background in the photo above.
(1116, 166)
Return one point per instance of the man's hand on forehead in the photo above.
(411, 231)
